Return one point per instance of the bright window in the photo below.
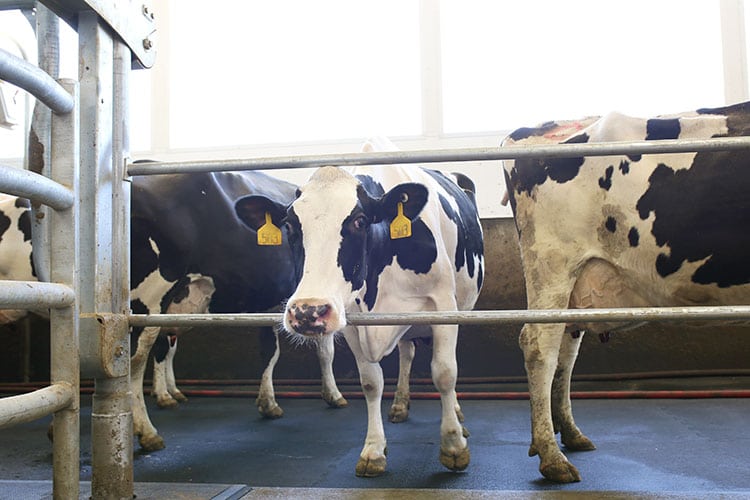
(511, 64)
(292, 70)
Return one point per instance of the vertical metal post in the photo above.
(104, 342)
(63, 225)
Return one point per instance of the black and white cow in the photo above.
(341, 227)
(191, 254)
(623, 231)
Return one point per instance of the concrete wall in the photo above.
(229, 353)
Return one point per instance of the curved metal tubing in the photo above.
(34, 295)
(639, 314)
(27, 76)
(24, 408)
(445, 155)
(35, 187)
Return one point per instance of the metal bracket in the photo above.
(132, 20)
(105, 345)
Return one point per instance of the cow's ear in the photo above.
(252, 211)
(412, 196)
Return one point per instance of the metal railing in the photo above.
(59, 191)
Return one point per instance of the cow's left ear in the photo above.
(252, 211)
(413, 197)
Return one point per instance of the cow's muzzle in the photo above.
(308, 317)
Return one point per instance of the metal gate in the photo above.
(86, 233)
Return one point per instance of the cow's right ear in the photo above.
(252, 211)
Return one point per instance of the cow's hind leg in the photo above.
(266, 400)
(399, 411)
(454, 449)
(541, 348)
(562, 413)
(161, 350)
(148, 437)
(171, 382)
(330, 392)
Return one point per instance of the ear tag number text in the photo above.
(268, 234)
(401, 225)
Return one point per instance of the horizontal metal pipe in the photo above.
(34, 295)
(445, 155)
(35, 187)
(638, 314)
(27, 76)
(16, 410)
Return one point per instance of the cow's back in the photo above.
(674, 229)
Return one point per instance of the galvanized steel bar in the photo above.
(64, 347)
(640, 314)
(34, 295)
(15, 410)
(29, 77)
(35, 187)
(446, 155)
(100, 292)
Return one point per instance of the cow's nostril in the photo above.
(322, 310)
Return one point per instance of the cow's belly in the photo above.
(604, 284)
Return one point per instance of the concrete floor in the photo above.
(219, 448)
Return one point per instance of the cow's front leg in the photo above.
(541, 346)
(372, 459)
(399, 411)
(562, 413)
(266, 400)
(330, 392)
(454, 449)
(148, 437)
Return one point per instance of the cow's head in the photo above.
(338, 225)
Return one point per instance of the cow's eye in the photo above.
(360, 223)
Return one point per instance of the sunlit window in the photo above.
(510, 64)
(292, 70)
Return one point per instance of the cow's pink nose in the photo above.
(308, 318)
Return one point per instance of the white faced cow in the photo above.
(341, 225)
(623, 231)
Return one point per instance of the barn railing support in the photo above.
(62, 397)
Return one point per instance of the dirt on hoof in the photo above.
(398, 414)
(560, 472)
(271, 413)
(579, 443)
(455, 461)
(167, 403)
(337, 403)
(370, 467)
(151, 443)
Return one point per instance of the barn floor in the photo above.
(219, 448)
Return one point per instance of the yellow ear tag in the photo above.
(401, 225)
(268, 234)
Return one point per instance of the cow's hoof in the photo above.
(372, 467)
(179, 397)
(455, 461)
(151, 443)
(398, 413)
(578, 443)
(339, 402)
(166, 402)
(560, 472)
(465, 431)
(272, 413)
